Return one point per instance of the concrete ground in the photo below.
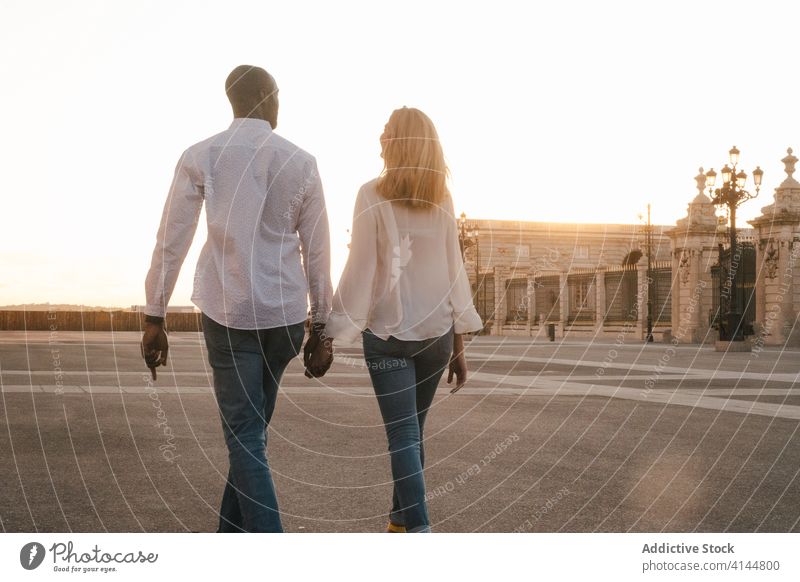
(571, 436)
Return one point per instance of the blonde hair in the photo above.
(414, 171)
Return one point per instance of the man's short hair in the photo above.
(244, 84)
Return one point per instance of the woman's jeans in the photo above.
(248, 365)
(405, 375)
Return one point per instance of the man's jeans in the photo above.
(405, 375)
(248, 365)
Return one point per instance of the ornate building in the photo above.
(593, 280)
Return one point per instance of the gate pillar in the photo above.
(777, 269)
(694, 250)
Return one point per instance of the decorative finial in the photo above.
(789, 161)
(701, 180)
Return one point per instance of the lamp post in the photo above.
(648, 242)
(731, 195)
(468, 237)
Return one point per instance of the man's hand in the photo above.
(154, 346)
(318, 354)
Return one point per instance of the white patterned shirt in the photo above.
(265, 210)
(405, 275)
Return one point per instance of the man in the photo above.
(265, 210)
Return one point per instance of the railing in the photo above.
(582, 291)
(625, 296)
(91, 321)
(662, 293)
(547, 291)
(621, 296)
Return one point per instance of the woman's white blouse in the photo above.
(405, 275)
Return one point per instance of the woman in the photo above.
(406, 292)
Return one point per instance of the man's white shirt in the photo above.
(265, 210)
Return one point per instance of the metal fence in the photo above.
(621, 298)
(581, 297)
(517, 300)
(548, 298)
(621, 295)
(662, 293)
(484, 297)
(746, 288)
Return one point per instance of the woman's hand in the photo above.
(458, 364)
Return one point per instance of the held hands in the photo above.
(155, 346)
(318, 353)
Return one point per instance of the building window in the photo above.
(581, 252)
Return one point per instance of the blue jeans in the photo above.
(248, 365)
(405, 375)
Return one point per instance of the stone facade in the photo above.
(778, 275)
(592, 279)
(514, 261)
(694, 251)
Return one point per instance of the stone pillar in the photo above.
(777, 266)
(694, 244)
(642, 288)
(706, 291)
(531, 289)
(500, 277)
(563, 302)
(600, 298)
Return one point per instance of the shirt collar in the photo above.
(250, 122)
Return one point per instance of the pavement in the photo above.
(572, 436)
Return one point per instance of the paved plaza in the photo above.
(572, 436)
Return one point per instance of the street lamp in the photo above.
(648, 241)
(731, 195)
(468, 237)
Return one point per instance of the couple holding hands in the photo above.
(404, 290)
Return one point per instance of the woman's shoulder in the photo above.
(368, 194)
(369, 188)
(445, 208)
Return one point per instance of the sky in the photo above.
(547, 111)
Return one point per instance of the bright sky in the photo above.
(557, 111)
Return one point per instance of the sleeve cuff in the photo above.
(320, 318)
(467, 321)
(343, 328)
(155, 311)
